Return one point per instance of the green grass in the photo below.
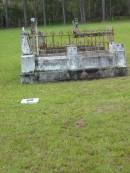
(78, 127)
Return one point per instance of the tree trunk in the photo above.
(35, 8)
(82, 11)
(81, 14)
(110, 8)
(84, 14)
(6, 13)
(89, 9)
(25, 12)
(129, 6)
(103, 10)
(44, 12)
(63, 11)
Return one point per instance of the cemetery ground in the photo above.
(77, 127)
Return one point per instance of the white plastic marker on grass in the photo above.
(30, 101)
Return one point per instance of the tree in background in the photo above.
(6, 16)
(82, 11)
(128, 1)
(19, 12)
(44, 12)
(103, 10)
(25, 12)
(89, 9)
(63, 11)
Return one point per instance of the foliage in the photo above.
(91, 9)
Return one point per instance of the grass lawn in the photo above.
(78, 127)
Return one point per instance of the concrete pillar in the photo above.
(25, 43)
(72, 55)
(27, 64)
(119, 51)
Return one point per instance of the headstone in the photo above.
(25, 44)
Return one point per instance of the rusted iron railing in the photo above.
(57, 42)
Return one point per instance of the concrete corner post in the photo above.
(72, 55)
(119, 51)
(28, 64)
(27, 59)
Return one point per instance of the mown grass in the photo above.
(78, 127)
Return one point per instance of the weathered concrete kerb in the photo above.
(71, 64)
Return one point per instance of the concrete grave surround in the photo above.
(72, 65)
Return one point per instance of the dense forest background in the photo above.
(19, 12)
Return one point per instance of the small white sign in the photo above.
(30, 101)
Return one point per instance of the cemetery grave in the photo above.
(77, 55)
